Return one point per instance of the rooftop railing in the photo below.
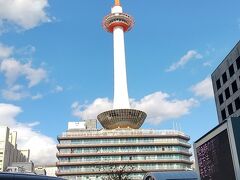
(125, 132)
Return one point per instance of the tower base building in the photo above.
(100, 154)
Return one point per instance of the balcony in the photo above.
(121, 153)
(176, 143)
(94, 171)
(147, 161)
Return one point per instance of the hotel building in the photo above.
(95, 154)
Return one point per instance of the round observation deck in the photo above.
(118, 19)
(122, 118)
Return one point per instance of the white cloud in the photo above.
(42, 148)
(58, 89)
(13, 69)
(88, 111)
(26, 50)
(5, 51)
(33, 124)
(207, 64)
(14, 93)
(158, 106)
(190, 55)
(203, 89)
(25, 14)
(37, 96)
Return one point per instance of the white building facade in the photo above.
(98, 154)
(8, 149)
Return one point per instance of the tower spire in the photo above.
(117, 3)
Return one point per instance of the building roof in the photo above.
(181, 175)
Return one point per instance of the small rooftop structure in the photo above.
(176, 175)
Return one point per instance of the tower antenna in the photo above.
(117, 3)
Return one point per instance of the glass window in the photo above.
(220, 98)
(231, 70)
(238, 62)
(230, 109)
(227, 93)
(223, 113)
(237, 103)
(218, 83)
(224, 77)
(234, 86)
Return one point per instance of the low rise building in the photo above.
(48, 170)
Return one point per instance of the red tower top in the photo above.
(118, 19)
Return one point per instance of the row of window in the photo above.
(123, 140)
(101, 176)
(230, 108)
(125, 158)
(227, 92)
(124, 149)
(231, 71)
(108, 168)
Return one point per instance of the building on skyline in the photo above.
(9, 153)
(217, 152)
(226, 85)
(91, 154)
(21, 167)
(121, 147)
(47, 170)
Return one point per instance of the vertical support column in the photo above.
(121, 100)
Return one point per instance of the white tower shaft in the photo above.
(121, 100)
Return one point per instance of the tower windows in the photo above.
(218, 83)
(227, 93)
(224, 77)
(234, 86)
(231, 70)
(230, 109)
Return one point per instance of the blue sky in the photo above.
(56, 63)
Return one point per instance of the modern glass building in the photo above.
(94, 154)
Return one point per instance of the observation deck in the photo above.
(122, 118)
(118, 19)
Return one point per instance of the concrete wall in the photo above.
(8, 149)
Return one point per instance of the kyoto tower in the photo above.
(122, 116)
